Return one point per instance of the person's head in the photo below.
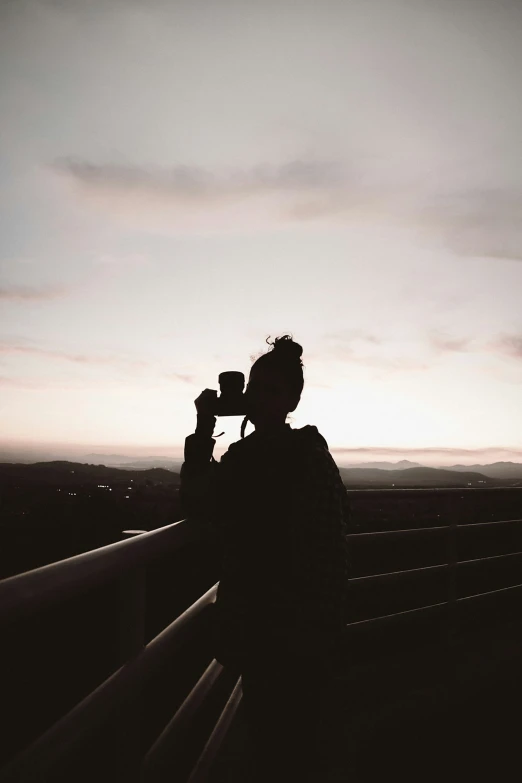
(275, 384)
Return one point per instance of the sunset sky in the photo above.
(181, 180)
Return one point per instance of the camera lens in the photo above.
(231, 382)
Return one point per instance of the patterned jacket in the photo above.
(276, 510)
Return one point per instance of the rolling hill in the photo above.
(420, 476)
(77, 472)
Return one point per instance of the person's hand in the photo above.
(206, 403)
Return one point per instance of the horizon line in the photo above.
(345, 453)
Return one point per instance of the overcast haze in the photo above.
(179, 181)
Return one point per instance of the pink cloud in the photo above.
(27, 294)
(12, 348)
(445, 343)
(509, 344)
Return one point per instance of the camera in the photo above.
(231, 401)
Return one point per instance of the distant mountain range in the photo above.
(68, 473)
(8, 454)
(500, 470)
(379, 474)
(495, 469)
(403, 464)
(135, 463)
(419, 476)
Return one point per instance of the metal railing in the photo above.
(448, 605)
(75, 730)
(52, 584)
(24, 595)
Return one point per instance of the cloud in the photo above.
(190, 198)
(471, 221)
(20, 347)
(27, 294)
(196, 183)
(379, 362)
(483, 222)
(12, 348)
(350, 335)
(176, 376)
(355, 346)
(125, 260)
(43, 384)
(73, 383)
(444, 343)
(504, 344)
(18, 383)
(508, 344)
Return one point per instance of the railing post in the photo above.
(452, 571)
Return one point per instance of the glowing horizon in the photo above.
(430, 456)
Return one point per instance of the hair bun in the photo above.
(285, 346)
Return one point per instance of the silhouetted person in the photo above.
(276, 509)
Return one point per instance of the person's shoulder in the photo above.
(310, 438)
(312, 452)
(238, 449)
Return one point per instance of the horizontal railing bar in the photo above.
(108, 700)
(401, 532)
(160, 755)
(491, 557)
(376, 578)
(390, 617)
(57, 582)
(490, 592)
(422, 530)
(201, 770)
(492, 523)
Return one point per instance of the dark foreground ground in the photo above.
(449, 714)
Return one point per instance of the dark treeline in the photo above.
(50, 511)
